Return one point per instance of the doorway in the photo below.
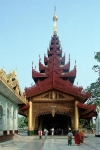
(59, 122)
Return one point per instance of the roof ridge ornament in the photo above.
(55, 18)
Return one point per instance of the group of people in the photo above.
(40, 133)
(78, 137)
(45, 132)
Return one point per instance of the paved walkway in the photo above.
(51, 143)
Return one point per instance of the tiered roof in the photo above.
(54, 63)
(55, 73)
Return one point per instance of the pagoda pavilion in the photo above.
(54, 100)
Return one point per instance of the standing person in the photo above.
(81, 133)
(62, 132)
(70, 135)
(46, 133)
(40, 133)
(92, 130)
(77, 138)
(52, 131)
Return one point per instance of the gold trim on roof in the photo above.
(11, 81)
(55, 18)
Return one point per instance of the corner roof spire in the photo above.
(55, 18)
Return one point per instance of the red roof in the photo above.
(54, 74)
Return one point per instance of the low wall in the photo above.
(6, 137)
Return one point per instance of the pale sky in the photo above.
(26, 27)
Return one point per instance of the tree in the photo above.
(94, 88)
(22, 122)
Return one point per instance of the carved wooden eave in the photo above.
(72, 73)
(23, 113)
(62, 59)
(89, 110)
(56, 52)
(87, 106)
(54, 45)
(36, 74)
(46, 108)
(41, 66)
(25, 107)
(58, 84)
(46, 59)
(89, 115)
(67, 66)
(9, 87)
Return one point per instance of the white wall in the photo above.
(9, 120)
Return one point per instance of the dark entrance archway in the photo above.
(61, 123)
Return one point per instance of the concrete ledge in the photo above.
(6, 137)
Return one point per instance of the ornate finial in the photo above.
(69, 57)
(15, 72)
(55, 20)
(32, 64)
(55, 9)
(39, 58)
(3, 68)
(75, 62)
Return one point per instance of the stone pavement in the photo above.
(51, 143)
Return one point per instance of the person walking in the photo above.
(70, 135)
(81, 133)
(77, 138)
(45, 133)
(40, 134)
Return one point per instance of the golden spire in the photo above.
(55, 20)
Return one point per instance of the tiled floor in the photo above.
(51, 143)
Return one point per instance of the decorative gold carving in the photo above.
(47, 108)
(3, 74)
(12, 80)
(53, 110)
(12, 83)
(53, 96)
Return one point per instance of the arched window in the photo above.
(1, 112)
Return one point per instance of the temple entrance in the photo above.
(61, 123)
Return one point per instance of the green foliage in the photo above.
(22, 122)
(94, 88)
(97, 56)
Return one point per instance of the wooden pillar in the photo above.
(76, 116)
(30, 120)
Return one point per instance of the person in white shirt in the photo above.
(52, 131)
